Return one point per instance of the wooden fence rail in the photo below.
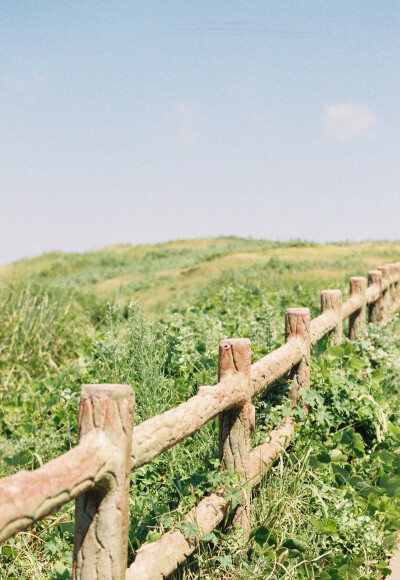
(96, 473)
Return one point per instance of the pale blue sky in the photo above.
(154, 120)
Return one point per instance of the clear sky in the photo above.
(145, 121)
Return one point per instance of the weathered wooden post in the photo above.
(332, 300)
(375, 308)
(393, 287)
(102, 514)
(386, 292)
(235, 424)
(397, 286)
(297, 325)
(358, 287)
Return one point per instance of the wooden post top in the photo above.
(234, 356)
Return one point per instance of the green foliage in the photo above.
(40, 332)
(329, 509)
(130, 351)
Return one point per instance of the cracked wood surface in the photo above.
(27, 497)
(387, 275)
(234, 424)
(102, 513)
(396, 289)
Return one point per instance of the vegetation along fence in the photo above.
(97, 472)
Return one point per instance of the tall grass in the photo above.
(57, 332)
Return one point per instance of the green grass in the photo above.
(152, 317)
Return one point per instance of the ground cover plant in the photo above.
(152, 317)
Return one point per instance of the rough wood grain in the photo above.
(234, 424)
(27, 497)
(102, 514)
(331, 300)
(358, 289)
(375, 306)
(297, 324)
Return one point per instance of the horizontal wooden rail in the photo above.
(162, 432)
(351, 305)
(322, 325)
(275, 365)
(27, 497)
(373, 293)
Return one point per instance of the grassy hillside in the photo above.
(152, 317)
(161, 276)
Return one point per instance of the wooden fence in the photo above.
(97, 471)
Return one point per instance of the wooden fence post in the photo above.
(297, 324)
(332, 300)
(102, 514)
(235, 424)
(375, 308)
(397, 286)
(386, 292)
(393, 287)
(358, 286)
